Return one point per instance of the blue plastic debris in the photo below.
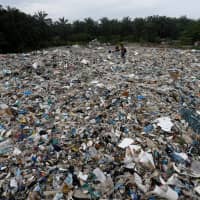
(73, 131)
(69, 179)
(178, 190)
(124, 129)
(176, 158)
(27, 93)
(192, 118)
(112, 122)
(152, 198)
(119, 186)
(2, 127)
(22, 112)
(134, 196)
(34, 158)
(148, 128)
(98, 119)
(140, 97)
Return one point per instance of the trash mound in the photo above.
(78, 123)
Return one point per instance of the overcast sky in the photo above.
(80, 9)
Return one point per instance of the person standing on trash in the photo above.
(123, 52)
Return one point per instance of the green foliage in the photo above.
(191, 34)
(22, 32)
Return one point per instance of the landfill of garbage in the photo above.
(77, 123)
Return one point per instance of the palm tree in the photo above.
(41, 16)
(62, 21)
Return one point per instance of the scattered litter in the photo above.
(126, 142)
(79, 123)
(165, 123)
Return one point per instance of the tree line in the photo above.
(23, 32)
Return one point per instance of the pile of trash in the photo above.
(77, 123)
(94, 43)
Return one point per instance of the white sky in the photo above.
(96, 9)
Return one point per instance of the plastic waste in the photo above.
(99, 174)
(165, 123)
(78, 123)
(125, 143)
(165, 192)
